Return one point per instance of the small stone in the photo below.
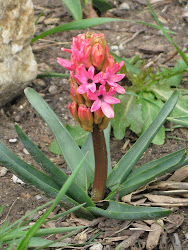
(185, 14)
(121, 47)
(3, 171)
(18, 66)
(97, 246)
(52, 89)
(12, 140)
(81, 238)
(114, 47)
(124, 6)
(51, 20)
(38, 197)
(25, 151)
(17, 180)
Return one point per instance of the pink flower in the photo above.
(66, 64)
(103, 99)
(111, 78)
(87, 79)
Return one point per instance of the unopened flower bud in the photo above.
(104, 124)
(74, 110)
(98, 116)
(74, 94)
(98, 54)
(85, 117)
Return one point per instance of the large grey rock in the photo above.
(17, 64)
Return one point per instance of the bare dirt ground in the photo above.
(133, 39)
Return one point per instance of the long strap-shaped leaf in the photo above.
(147, 175)
(124, 166)
(182, 120)
(57, 175)
(156, 162)
(36, 178)
(120, 211)
(70, 150)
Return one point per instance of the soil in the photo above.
(21, 198)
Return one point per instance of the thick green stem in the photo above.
(100, 153)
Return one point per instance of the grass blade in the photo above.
(77, 25)
(52, 74)
(183, 56)
(33, 230)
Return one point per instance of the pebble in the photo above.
(52, 89)
(114, 47)
(3, 171)
(17, 180)
(12, 140)
(97, 246)
(25, 151)
(124, 6)
(121, 47)
(38, 197)
(51, 20)
(185, 14)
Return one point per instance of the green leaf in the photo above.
(26, 172)
(128, 161)
(149, 113)
(102, 5)
(40, 242)
(120, 211)
(127, 114)
(70, 150)
(57, 175)
(77, 25)
(36, 178)
(164, 92)
(156, 162)
(54, 147)
(52, 74)
(181, 120)
(77, 133)
(128, 66)
(174, 81)
(144, 175)
(74, 7)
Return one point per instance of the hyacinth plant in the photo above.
(94, 80)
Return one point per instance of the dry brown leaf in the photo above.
(139, 226)
(131, 240)
(180, 174)
(127, 198)
(152, 49)
(166, 199)
(173, 222)
(154, 235)
(165, 185)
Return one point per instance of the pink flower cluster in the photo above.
(93, 73)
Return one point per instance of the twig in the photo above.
(9, 211)
(176, 242)
(123, 42)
